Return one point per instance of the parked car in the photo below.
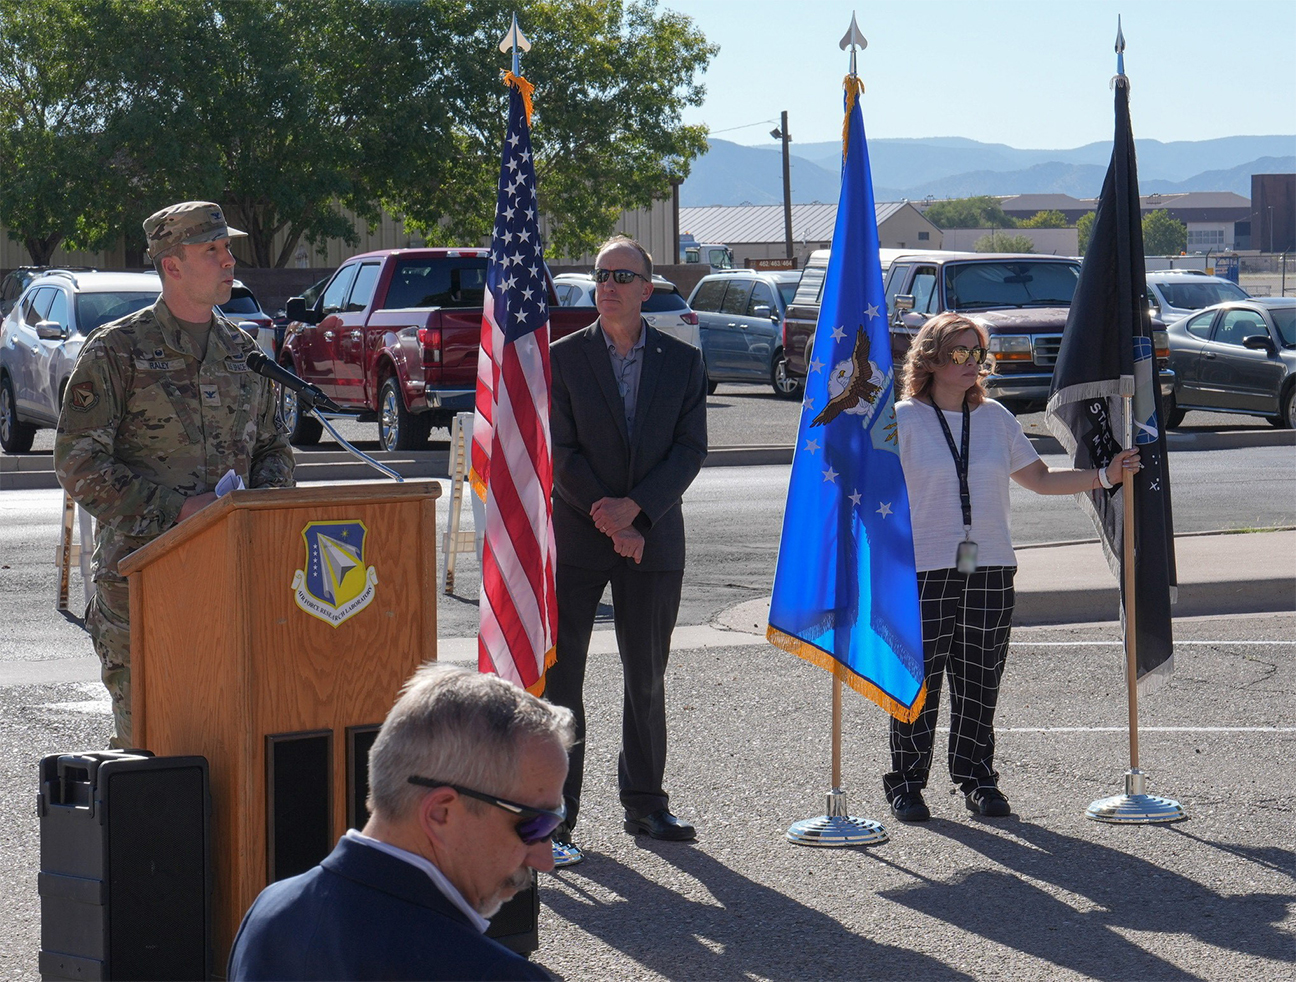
(242, 308)
(43, 334)
(740, 313)
(310, 295)
(666, 309)
(15, 281)
(403, 347)
(717, 255)
(1175, 293)
(1021, 300)
(1236, 357)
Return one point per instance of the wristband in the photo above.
(1102, 479)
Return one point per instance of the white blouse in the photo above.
(997, 447)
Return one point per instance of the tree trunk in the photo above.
(41, 250)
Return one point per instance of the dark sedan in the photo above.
(1236, 357)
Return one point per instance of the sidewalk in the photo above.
(1070, 583)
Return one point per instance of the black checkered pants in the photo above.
(965, 625)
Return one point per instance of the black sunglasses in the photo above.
(959, 355)
(537, 824)
(620, 275)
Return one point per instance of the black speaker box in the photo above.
(125, 878)
(517, 925)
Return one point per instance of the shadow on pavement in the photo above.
(1111, 892)
(748, 930)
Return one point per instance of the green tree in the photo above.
(1045, 219)
(611, 80)
(998, 241)
(1084, 230)
(1163, 235)
(53, 101)
(287, 113)
(984, 211)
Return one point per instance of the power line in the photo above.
(730, 129)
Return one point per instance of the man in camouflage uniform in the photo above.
(161, 404)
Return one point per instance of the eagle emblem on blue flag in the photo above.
(335, 584)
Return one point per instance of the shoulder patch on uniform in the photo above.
(83, 396)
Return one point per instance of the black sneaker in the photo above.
(987, 801)
(908, 806)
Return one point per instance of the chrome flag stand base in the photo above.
(837, 828)
(1134, 807)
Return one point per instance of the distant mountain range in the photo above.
(954, 167)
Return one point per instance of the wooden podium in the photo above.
(270, 634)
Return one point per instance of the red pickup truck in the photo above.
(400, 341)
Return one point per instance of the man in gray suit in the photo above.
(629, 435)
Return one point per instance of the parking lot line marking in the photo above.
(1142, 729)
(1079, 644)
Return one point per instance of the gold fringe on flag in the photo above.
(817, 656)
(854, 89)
(537, 688)
(524, 87)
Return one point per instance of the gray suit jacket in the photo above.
(594, 456)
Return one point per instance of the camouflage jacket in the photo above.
(145, 425)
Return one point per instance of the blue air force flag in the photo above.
(845, 592)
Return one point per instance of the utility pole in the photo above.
(781, 133)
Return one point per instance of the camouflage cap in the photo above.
(184, 224)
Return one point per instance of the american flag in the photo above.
(512, 465)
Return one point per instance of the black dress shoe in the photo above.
(661, 824)
(908, 806)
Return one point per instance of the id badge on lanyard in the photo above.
(965, 556)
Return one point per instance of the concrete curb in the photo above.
(1070, 583)
(36, 471)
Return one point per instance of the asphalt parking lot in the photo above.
(1045, 894)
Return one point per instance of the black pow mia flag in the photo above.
(1106, 355)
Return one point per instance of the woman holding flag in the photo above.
(958, 448)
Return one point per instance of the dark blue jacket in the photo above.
(362, 914)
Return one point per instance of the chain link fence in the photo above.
(1268, 275)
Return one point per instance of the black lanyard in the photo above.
(960, 461)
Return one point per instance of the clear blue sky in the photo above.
(1028, 73)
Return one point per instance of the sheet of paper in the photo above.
(230, 482)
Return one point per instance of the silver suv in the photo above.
(1175, 293)
(43, 334)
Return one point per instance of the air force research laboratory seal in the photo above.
(335, 585)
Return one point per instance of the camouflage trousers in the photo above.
(108, 621)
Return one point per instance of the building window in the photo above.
(924, 236)
(1205, 238)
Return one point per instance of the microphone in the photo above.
(308, 394)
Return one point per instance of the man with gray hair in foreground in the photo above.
(465, 788)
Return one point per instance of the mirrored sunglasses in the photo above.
(534, 825)
(959, 355)
(622, 276)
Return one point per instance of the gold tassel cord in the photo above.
(525, 88)
(854, 89)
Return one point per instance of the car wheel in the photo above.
(711, 387)
(785, 386)
(304, 430)
(15, 436)
(398, 428)
(1174, 416)
(1287, 408)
